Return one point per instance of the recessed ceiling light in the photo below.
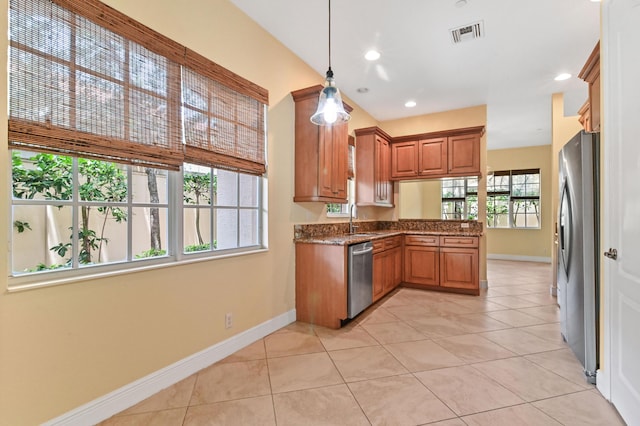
(595, 1)
(463, 3)
(362, 89)
(410, 104)
(372, 55)
(563, 76)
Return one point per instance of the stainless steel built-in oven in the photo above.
(360, 282)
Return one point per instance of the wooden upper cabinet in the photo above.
(591, 74)
(439, 154)
(464, 155)
(321, 153)
(432, 157)
(404, 161)
(333, 161)
(584, 116)
(373, 162)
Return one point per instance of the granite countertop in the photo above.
(361, 237)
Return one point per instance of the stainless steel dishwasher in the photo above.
(360, 278)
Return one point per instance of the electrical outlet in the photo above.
(464, 225)
(228, 320)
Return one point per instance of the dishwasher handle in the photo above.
(361, 252)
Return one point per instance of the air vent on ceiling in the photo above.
(467, 32)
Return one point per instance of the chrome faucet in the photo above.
(352, 227)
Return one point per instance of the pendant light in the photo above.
(330, 109)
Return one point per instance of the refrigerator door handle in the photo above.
(565, 224)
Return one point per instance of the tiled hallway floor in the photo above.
(414, 358)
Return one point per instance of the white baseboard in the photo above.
(539, 259)
(603, 383)
(120, 399)
(484, 284)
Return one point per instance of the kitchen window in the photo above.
(221, 209)
(513, 199)
(460, 198)
(127, 148)
(342, 210)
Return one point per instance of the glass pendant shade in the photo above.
(330, 108)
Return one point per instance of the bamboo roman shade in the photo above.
(88, 81)
(222, 128)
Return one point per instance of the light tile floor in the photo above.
(414, 358)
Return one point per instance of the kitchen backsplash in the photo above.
(429, 225)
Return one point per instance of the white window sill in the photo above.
(23, 283)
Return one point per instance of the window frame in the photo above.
(212, 207)
(466, 199)
(175, 254)
(512, 199)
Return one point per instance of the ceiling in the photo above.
(511, 68)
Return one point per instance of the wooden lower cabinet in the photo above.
(431, 262)
(442, 263)
(321, 284)
(378, 275)
(395, 265)
(459, 268)
(387, 265)
(421, 265)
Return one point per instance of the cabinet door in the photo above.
(332, 156)
(378, 275)
(388, 272)
(464, 154)
(383, 187)
(459, 268)
(432, 157)
(404, 160)
(421, 265)
(325, 162)
(340, 139)
(396, 256)
(594, 101)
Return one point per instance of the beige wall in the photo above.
(453, 119)
(524, 243)
(63, 346)
(420, 200)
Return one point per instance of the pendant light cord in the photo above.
(329, 35)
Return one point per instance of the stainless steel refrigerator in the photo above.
(578, 236)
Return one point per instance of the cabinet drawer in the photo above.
(378, 246)
(392, 242)
(421, 240)
(453, 241)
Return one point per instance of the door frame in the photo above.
(603, 378)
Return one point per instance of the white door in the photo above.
(621, 88)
